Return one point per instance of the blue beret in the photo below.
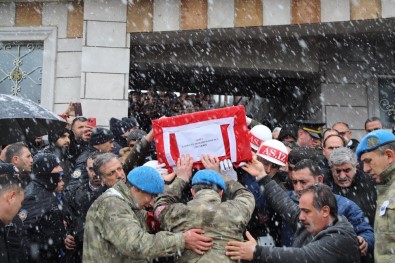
(147, 179)
(374, 140)
(208, 177)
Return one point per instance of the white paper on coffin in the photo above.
(211, 129)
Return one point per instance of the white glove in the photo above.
(226, 168)
(161, 170)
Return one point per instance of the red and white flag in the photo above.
(220, 132)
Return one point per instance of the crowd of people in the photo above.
(99, 195)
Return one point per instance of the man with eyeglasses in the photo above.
(346, 133)
(306, 173)
(351, 182)
(373, 124)
(42, 213)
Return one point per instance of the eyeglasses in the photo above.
(375, 129)
(346, 170)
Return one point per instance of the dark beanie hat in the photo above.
(44, 163)
(132, 121)
(100, 135)
(135, 135)
(119, 127)
(53, 136)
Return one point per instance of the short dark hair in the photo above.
(323, 196)
(14, 149)
(300, 153)
(388, 146)
(78, 118)
(9, 181)
(313, 167)
(372, 119)
(198, 187)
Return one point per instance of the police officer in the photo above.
(42, 212)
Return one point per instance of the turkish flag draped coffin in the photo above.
(220, 132)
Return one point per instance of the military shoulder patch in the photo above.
(76, 174)
(23, 214)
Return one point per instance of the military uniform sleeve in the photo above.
(172, 194)
(242, 199)
(122, 228)
(137, 155)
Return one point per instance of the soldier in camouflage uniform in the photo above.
(222, 221)
(116, 229)
(377, 152)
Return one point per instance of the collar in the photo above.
(92, 187)
(388, 174)
(125, 193)
(207, 195)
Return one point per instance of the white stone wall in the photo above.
(221, 14)
(335, 10)
(276, 12)
(105, 61)
(7, 14)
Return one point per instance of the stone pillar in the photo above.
(105, 60)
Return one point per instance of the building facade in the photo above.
(322, 59)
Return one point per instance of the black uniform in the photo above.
(16, 241)
(65, 163)
(79, 205)
(44, 222)
(3, 244)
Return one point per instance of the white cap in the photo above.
(259, 134)
(274, 151)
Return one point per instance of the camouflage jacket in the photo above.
(116, 231)
(384, 225)
(223, 221)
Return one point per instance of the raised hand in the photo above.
(227, 170)
(210, 162)
(184, 167)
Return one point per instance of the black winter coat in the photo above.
(17, 241)
(44, 223)
(362, 192)
(3, 244)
